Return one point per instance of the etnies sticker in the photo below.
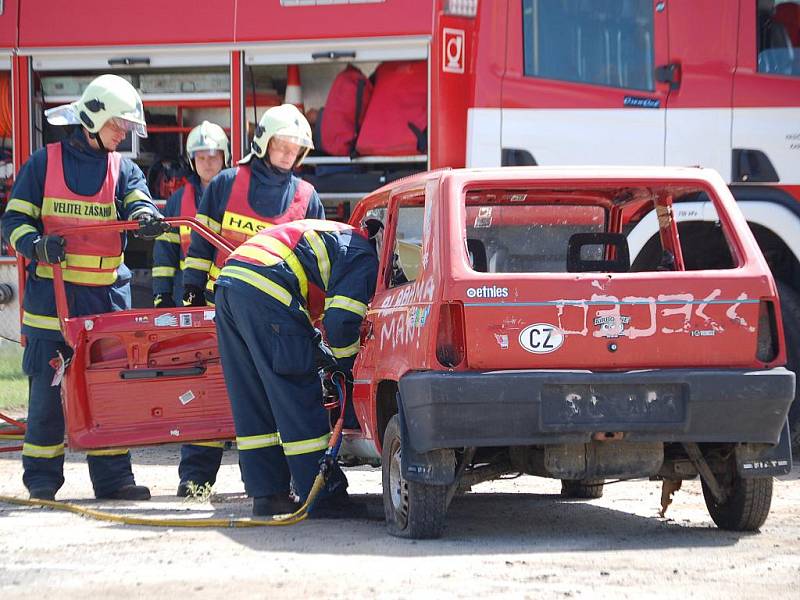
(541, 338)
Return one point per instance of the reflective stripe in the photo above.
(346, 351)
(209, 444)
(84, 277)
(346, 303)
(252, 442)
(280, 293)
(42, 451)
(174, 238)
(306, 446)
(24, 207)
(215, 226)
(83, 210)
(276, 247)
(135, 196)
(265, 257)
(40, 321)
(246, 225)
(201, 264)
(107, 452)
(163, 271)
(321, 252)
(89, 261)
(19, 232)
(183, 265)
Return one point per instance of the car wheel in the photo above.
(413, 510)
(746, 507)
(582, 488)
(790, 310)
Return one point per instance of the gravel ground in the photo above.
(513, 539)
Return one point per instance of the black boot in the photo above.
(42, 494)
(276, 504)
(339, 505)
(128, 492)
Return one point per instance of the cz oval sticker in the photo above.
(541, 338)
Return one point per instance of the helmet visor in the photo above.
(300, 140)
(136, 126)
(62, 115)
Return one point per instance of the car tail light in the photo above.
(450, 351)
(767, 348)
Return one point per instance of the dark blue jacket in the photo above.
(270, 194)
(349, 289)
(84, 173)
(167, 253)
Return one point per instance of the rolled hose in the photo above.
(280, 520)
(6, 293)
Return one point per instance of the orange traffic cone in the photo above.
(294, 93)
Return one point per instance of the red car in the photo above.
(528, 320)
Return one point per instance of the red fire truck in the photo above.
(509, 82)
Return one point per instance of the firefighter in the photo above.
(268, 293)
(208, 153)
(78, 181)
(261, 191)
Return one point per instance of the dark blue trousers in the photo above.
(200, 463)
(282, 429)
(43, 449)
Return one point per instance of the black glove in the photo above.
(323, 355)
(150, 227)
(163, 301)
(193, 296)
(50, 248)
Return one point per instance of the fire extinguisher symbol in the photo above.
(453, 50)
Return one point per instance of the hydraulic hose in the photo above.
(300, 514)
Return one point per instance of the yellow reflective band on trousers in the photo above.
(252, 442)
(346, 303)
(35, 451)
(40, 321)
(306, 446)
(346, 351)
(24, 207)
(173, 238)
(209, 444)
(19, 232)
(321, 252)
(163, 271)
(201, 264)
(107, 452)
(269, 287)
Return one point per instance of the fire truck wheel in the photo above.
(582, 488)
(413, 510)
(747, 505)
(790, 310)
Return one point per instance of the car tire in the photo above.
(746, 507)
(583, 489)
(790, 311)
(413, 510)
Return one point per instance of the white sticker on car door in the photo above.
(541, 338)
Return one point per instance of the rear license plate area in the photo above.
(613, 404)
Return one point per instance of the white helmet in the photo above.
(106, 97)
(285, 122)
(207, 136)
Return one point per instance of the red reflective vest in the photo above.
(275, 246)
(240, 222)
(92, 258)
(189, 210)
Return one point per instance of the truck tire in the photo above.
(746, 507)
(790, 310)
(413, 510)
(582, 488)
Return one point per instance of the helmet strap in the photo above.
(96, 137)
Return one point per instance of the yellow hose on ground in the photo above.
(99, 515)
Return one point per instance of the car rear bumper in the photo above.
(521, 408)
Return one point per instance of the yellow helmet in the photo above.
(106, 97)
(207, 136)
(286, 122)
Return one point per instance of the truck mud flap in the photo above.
(753, 461)
(436, 467)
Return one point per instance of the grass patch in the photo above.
(13, 382)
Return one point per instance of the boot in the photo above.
(275, 504)
(339, 505)
(42, 494)
(128, 492)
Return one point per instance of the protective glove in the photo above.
(323, 355)
(150, 227)
(193, 296)
(50, 248)
(163, 301)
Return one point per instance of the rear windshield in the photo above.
(614, 229)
